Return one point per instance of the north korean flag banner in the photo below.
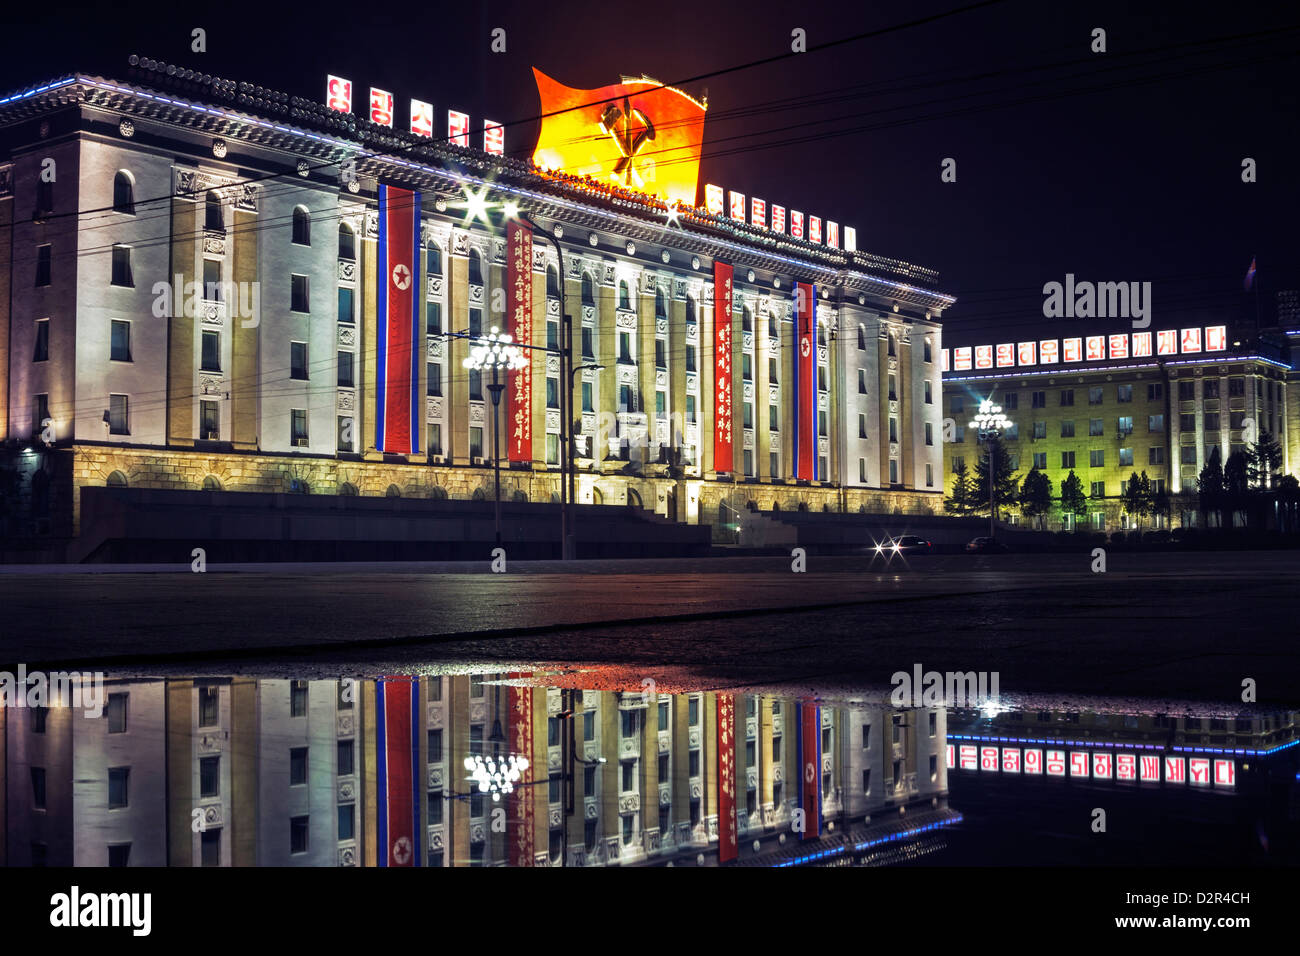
(397, 371)
(521, 742)
(728, 835)
(805, 380)
(397, 718)
(810, 768)
(723, 454)
(519, 283)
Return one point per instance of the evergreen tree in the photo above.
(1210, 487)
(1264, 460)
(1036, 495)
(1074, 501)
(1006, 484)
(961, 501)
(1137, 497)
(1236, 485)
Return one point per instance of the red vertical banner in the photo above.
(805, 380)
(722, 449)
(399, 324)
(521, 742)
(810, 768)
(728, 837)
(398, 771)
(519, 386)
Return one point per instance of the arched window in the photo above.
(116, 480)
(433, 259)
(299, 486)
(624, 302)
(438, 493)
(347, 490)
(633, 499)
(211, 483)
(347, 243)
(215, 216)
(393, 492)
(552, 283)
(519, 496)
(475, 268)
(123, 193)
(661, 309)
(588, 293)
(803, 506)
(301, 226)
(776, 506)
(479, 495)
(751, 505)
(596, 497)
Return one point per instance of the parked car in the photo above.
(985, 545)
(905, 544)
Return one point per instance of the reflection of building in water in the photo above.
(1206, 750)
(275, 772)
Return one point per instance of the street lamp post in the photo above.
(990, 422)
(495, 351)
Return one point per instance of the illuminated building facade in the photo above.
(1106, 406)
(194, 302)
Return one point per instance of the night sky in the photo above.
(1117, 167)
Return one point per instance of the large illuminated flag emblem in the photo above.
(638, 134)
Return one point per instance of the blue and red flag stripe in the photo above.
(397, 742)
(810, 768)
(397, 369)
(805, 381)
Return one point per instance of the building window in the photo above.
(1188, 455)
(862, 338)
(41, 349)
(1125, 457)
(1186, 391)
(552, 448)
(625, 346)
(345, 370)
(347, 305)
(1097, 458)
(210, 352)
(116, 713)
(123, 193)
(43, 265)
(588, 348)
(298, 698)
(587, 397)
(212, 280)
(209, 776)
(122, 266)
(476, 441)
(623, 301)
(299, 299)
(929, 395)
(118, 415)
(1040, 430)
(1067, 429)
(1067, 459)
(1096, 427)
(298, 426)
(690, 408)
(475, 268)
(434, 386)
(1125, 425)
(1211, 421)
(298, 834)
(118, 779)
(552, 392)
(301, 226)
(929, 475)
(774, 464)
(40, 412)
(929, 350)
(38, 788)
(1187, 422)
(1067, 396)
(1155, 392)
(893, 430)
(1156, 455)
(475, 385)
(1040, 460)
(214, 215)
(1039, 400)
(433, 259)
(347, 243)
(893, 388)
(1124, 393)
(1211, 388)
(588, 293)
(434, 435)
(552, 334)
(298, 360)
(208, 706)
(347, 821)
(297, 766)
(929, 433)
(893, 471)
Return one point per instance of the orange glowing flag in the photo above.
(638, 134)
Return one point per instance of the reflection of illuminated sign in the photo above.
(1095, 765)
(638, 134)
(1097, 348)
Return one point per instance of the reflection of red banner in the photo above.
(398, 326)
(805, 380)
(722, 449)
(810, 768)
(728, 847)
(398, 748)
(521, 742)
(638, 134)
(519, 282)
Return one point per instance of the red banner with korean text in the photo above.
(722, 448)
(521, 744)
(810, 768)
(519, 385)
(728, 842)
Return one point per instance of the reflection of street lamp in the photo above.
(990, 423)
(496, 775)
(496, 351)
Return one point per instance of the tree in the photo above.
(1264, 461)
(1210, 488)
(962, 499)
(1137, 496)
(1288, 501)
(1074, 501)
(1036, 495)
(1161, 505)
(1006, 484)
(1236, 485)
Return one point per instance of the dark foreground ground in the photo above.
(1154, 625)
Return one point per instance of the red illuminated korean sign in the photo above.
(758, 213)
(421, 118)
(778, 219)
(381, 107)
(723, 454)
(457, 128)
(494, 138)
(1092, 348)
(713, 200)
(519, 282)
(1096, 765)
(338, 94)
(738, 206)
